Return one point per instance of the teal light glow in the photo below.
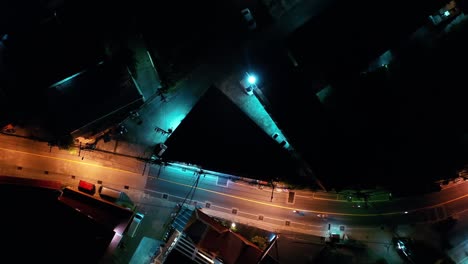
(71, 77)
(251, 79)
(175, 121)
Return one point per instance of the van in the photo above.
(86, 187)
(109, 193)
(135, 224)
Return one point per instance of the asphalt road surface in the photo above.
(25, 158)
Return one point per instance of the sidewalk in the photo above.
(147, 77)
(250, 105)
(378, 242)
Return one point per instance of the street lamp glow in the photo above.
(233, 225)
(251, 79)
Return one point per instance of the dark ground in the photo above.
(47, 45)
(218, 136)
(36, 227)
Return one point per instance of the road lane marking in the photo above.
(228, 209)
(254, 201)
(238, 197)
(310, 211)
(68, 160)
(276, 219)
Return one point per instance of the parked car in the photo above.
(283, 143)
(86, 187)
(248, 83)
(248, 19)
(248, 88)
(135, 224)
(109, 194)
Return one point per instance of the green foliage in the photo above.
(261, 242)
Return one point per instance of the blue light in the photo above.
(272, 236)
(446, 13)
(251, 79)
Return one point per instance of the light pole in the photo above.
(251, 79)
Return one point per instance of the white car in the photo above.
(248, 19)
(248, 88)
(135, 224)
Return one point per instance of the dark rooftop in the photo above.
(39, 228)
(86, 98)
(218, 136)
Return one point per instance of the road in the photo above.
(26, 158)
(252, 202)
(237, 201)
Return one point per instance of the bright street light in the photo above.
(249, 83)
(251, 79)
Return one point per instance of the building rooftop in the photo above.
(218, 136)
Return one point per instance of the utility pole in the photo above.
(191, 192)
(272, 189)
(265, 252)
